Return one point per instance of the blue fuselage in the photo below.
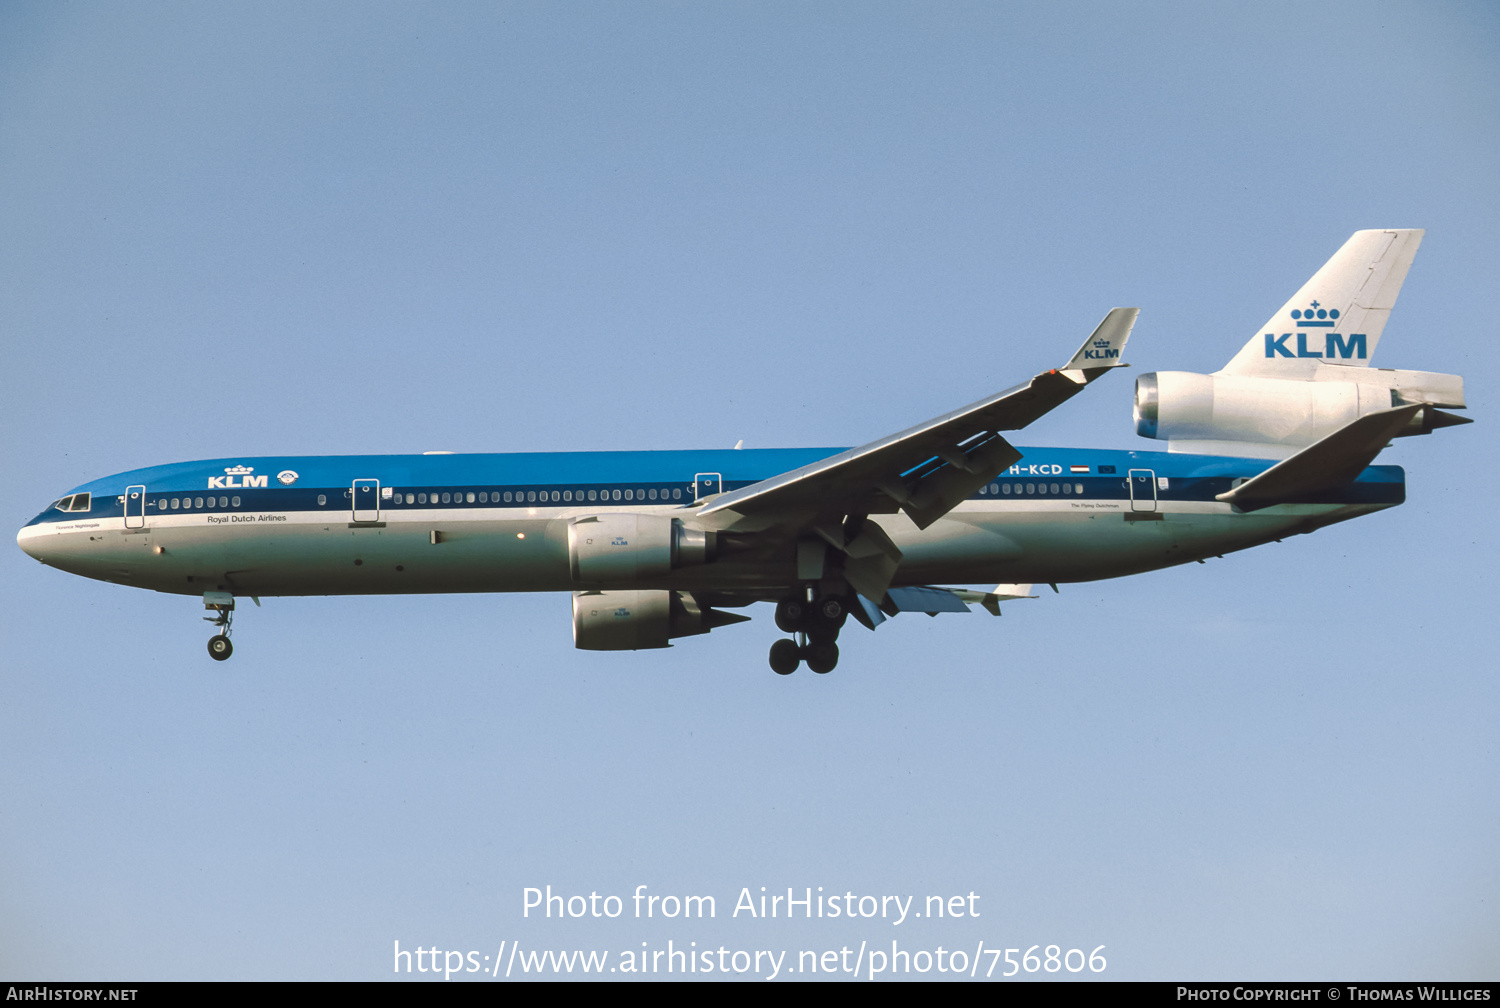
(486, 523)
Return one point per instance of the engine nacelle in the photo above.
(1274, 417)
(637, 620)
(621, 548)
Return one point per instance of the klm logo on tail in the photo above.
(1101, 350)
(1335, 345)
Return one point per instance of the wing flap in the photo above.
(926, 600)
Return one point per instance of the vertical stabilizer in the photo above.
(1337, 317)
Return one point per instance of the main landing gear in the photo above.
(222, 606)
(814, 621)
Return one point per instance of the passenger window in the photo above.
(198, 502)
(322, 500)
(235, 501)
(677, 493)
(162, 504)
(617, 495)
(593, 495)
(1031, 488)
(174, 503)
(507, 496)
(1054, 488)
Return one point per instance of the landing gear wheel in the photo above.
(219, 647)
(832, 610)
(822, 658)
(791, 613)
(785, 657)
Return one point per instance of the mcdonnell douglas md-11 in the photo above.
(658, 545)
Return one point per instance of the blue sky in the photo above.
(314, 228)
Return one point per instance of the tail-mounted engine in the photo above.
(622, 548)
(1275, 417)
(1306, 373)
(635, 620)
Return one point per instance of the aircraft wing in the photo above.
(925, 470)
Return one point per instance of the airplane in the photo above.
(655, 546)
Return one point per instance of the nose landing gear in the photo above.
(219, 647)
(222, 605)
(815, 621)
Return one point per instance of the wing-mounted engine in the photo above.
(636, 620)
(1305, 374)
(622, 548)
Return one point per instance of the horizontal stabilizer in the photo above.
(1334, 462)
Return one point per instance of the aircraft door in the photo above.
(135, 507)
(365, 498)
(1142, 489)
(706, 485)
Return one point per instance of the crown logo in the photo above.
(1316, 315)
(240, 470)
(1101, 344)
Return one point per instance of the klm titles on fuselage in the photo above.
(239, 478)
(236, 482)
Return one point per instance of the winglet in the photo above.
(1104, 348)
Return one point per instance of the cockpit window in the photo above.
(80, 502)
(64, 504)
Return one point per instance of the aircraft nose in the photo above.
(30, 544)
